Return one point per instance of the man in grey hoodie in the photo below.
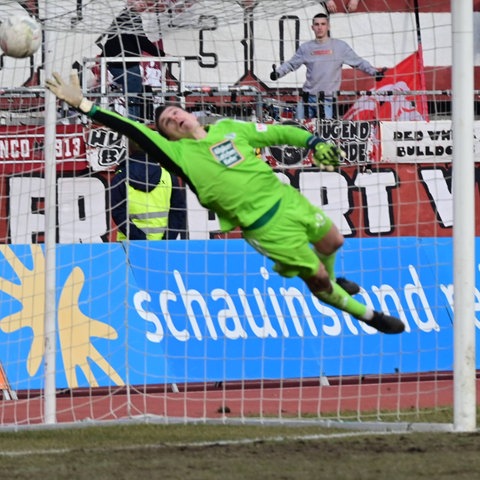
(323, 58)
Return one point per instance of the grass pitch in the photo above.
(231, 452)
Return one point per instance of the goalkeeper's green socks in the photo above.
(328, 262)
(340, 299)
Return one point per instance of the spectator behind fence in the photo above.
(148, 203)
(126, 38)
(323, 58)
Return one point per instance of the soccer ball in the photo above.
(20, 36)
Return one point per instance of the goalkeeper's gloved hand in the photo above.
(380, 74)
(69, 92)
(327, 156)
(274, 75)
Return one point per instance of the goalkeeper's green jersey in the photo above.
(222, 169)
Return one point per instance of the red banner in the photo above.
(392, 98)
(22, 148)
(387, 199)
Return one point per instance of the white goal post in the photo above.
(465, 398)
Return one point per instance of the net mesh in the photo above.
(200, 326)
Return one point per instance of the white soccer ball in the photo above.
(20, 36)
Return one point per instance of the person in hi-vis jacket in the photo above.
(148, 203)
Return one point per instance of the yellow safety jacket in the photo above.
(149, 210)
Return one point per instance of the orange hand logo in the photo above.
(75, 329)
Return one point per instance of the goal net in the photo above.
(103, 319)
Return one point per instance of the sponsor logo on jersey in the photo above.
(226, 153)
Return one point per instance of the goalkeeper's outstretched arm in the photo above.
(325, 155)
(150, 141)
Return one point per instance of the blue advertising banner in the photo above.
(179, 311)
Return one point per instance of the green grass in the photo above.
(238, 451)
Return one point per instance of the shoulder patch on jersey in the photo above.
(261, 127)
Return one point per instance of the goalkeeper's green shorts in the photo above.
(287, 237)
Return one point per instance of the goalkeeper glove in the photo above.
(69, 92)
(327, 156)
(379, 74)
(274, 75)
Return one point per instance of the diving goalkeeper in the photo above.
(219, 164)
